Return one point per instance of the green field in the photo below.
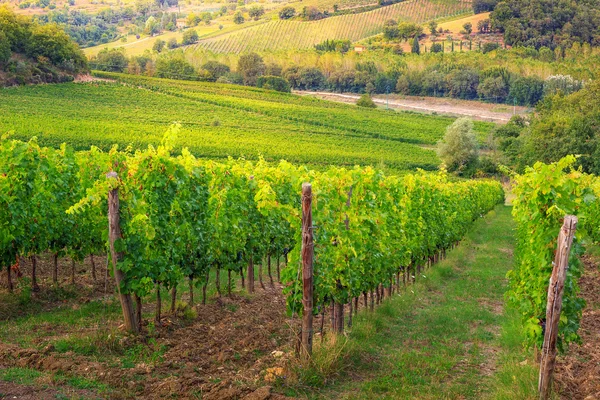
(278, 35)
(220, 121)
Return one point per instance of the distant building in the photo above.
(181, 23)
(359, 48)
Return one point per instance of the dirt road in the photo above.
(498, 113)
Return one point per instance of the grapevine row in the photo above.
(276, 35)
(544, 195)
(180, 217)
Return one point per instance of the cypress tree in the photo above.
(415, 47)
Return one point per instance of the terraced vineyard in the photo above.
(220, 121)
(279, 35)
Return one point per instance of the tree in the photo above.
(481, 6)
(526, 90)
(250, 66)
(493, 88)
(238, 18)
(192, 19)
(390, 30)
(433, 27)
(462, 83)
(366, 101)
(5, 51)
(415, 46)
(436, 48)
(158, 45)
(483, 26)
(468, 27)
(459, 149)
(256, 11)
(287, 12)
(190, 37)
(113, 60)
(175, 68)
(215, 69)
(206, 18)
(409, 30)
(52, 42)
(172, 44)
(152, 26)
(273, 83)
(566, 125)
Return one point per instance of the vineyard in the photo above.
(220, 121)
(279, 35)
(174, 218)
(545, 195)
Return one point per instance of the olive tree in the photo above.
(458, 150)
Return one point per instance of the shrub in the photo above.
(190, 37)
(172, 44)
(159, 45)
(256, 11)
(238, 18)
(489, 46)
(366, 101)
(113, 60)
(175, 68)
(273, 83)
(437, 48)
(287, 12)
(215, 69)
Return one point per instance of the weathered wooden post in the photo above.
(307, 270)
(554, 306)
(251, 274)
(114, 234)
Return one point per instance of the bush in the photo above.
(489, 46)
(159, 45)
(175, 68)
(190, 37)
(493, 89)
(437, 48)
(215, 69)
(526, 90)
(463, 83)
(256, 11)
(366, 101)
(238, 18)
(273, 83)
(459, 150)
(287, 12)
(172, 44)
(113, 60)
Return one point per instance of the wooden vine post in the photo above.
(114, 234)
(554, 306)
(307, 271)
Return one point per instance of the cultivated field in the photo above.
(278, 35)
(222, 120)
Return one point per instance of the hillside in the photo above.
(279, 35)
(222, 120)
(32, 53)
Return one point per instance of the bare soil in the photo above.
(224, 353)
(498, 113)
(577, 374)
(10, 390)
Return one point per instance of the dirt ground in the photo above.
(224, 353)
(578, 373)
(499, 113)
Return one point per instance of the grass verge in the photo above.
(449, 336)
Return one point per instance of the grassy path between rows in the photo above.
(447, 337)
